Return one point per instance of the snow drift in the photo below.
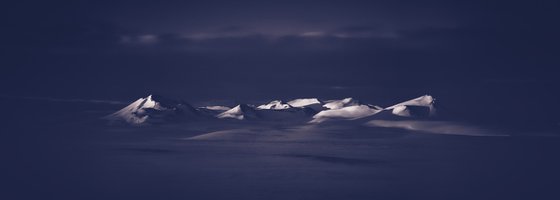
(435, 127)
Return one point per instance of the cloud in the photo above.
(435, 127)
(241, 39)
(237, 42)
(313, 34)
(365, 32)
(270, 35)
(140, 39)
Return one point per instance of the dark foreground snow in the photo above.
(74, 156)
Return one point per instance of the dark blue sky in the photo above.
(478, 52)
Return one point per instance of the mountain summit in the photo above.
(308, 102)
(419, 107)
(345, 109)
(275, 105)
(240, 112)
(152, 109)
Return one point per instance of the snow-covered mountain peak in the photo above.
(421, 106)
(304, 102)
(275, 105)
(346, 113)
(240, 112)
(152, 106)
(337, 104)
(426, 100)
(149, 102)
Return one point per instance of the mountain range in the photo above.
(155, 109)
